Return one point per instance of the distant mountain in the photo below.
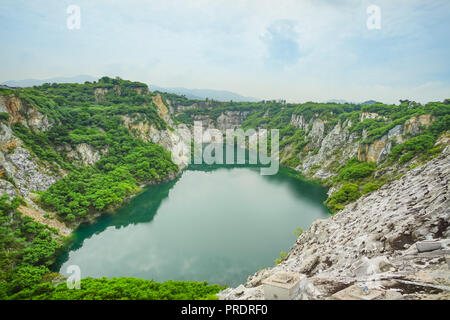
(368, 102)
(202, 94)
(340, 101)
(3, 86)
(35, 82)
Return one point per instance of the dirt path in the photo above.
(39, 217)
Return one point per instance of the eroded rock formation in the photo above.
(394, 240)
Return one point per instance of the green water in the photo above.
(218, 225)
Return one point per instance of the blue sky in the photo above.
(311, 50)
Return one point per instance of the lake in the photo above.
(219, 224)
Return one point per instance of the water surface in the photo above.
(218, 225)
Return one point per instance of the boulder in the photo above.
(428, 245)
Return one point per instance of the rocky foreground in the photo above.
(393, 241)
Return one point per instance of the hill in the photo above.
(202, 94)
(37, 82)
(70, 152)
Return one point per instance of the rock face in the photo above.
(370, 115)
(21, 172)
(231, 120)
(8, 188)
(28, 116)
(377, 150)
(327, 147)
(177, 142)
(413, 125)
(86, 154)
(373, 241)
(26, 172)
(316, 132)
(99, 94)
(163, 110)
(298, 121)
(339, 144)
(138, 127)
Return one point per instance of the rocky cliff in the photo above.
(24, 113)
(23, 173)
(395, 241)
(372, 241)
(327, 144)
(338, 145)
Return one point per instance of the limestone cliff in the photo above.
(24, 172)
(395, 241)
(327, 145)
(373, 240)
(85, 154)
(24, 113)
(231, 120)
(21, 171)
(172, 140)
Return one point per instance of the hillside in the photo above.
(353, 149)
(71, 152)
(375, 242)
(203, 94)
(38, 82)
(67, 156)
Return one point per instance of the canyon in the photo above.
(374, 239)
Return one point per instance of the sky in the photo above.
(297, 50)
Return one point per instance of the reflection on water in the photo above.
(218, 224)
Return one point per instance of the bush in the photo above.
(283, 256)
(27, 248)
(355, 169)
(124, 289)
(27, 276)
(369, 187)
(298, 232)
(292, 161)
(348, 192)
(407, 150)
(4, 116)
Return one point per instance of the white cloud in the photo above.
(233, 45)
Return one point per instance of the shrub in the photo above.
(369, 187)
(355, 169)
(283, 256)
(292, 161)
(298, 232)
(407, 150)
(123, 289)
(4, 116)
(347, 193)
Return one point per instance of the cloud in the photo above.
(281, 39)
(297, 50)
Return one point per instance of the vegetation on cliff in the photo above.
(93, 114)
(303, 127)
(79, 115)
(27, 249)
(90, 114)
